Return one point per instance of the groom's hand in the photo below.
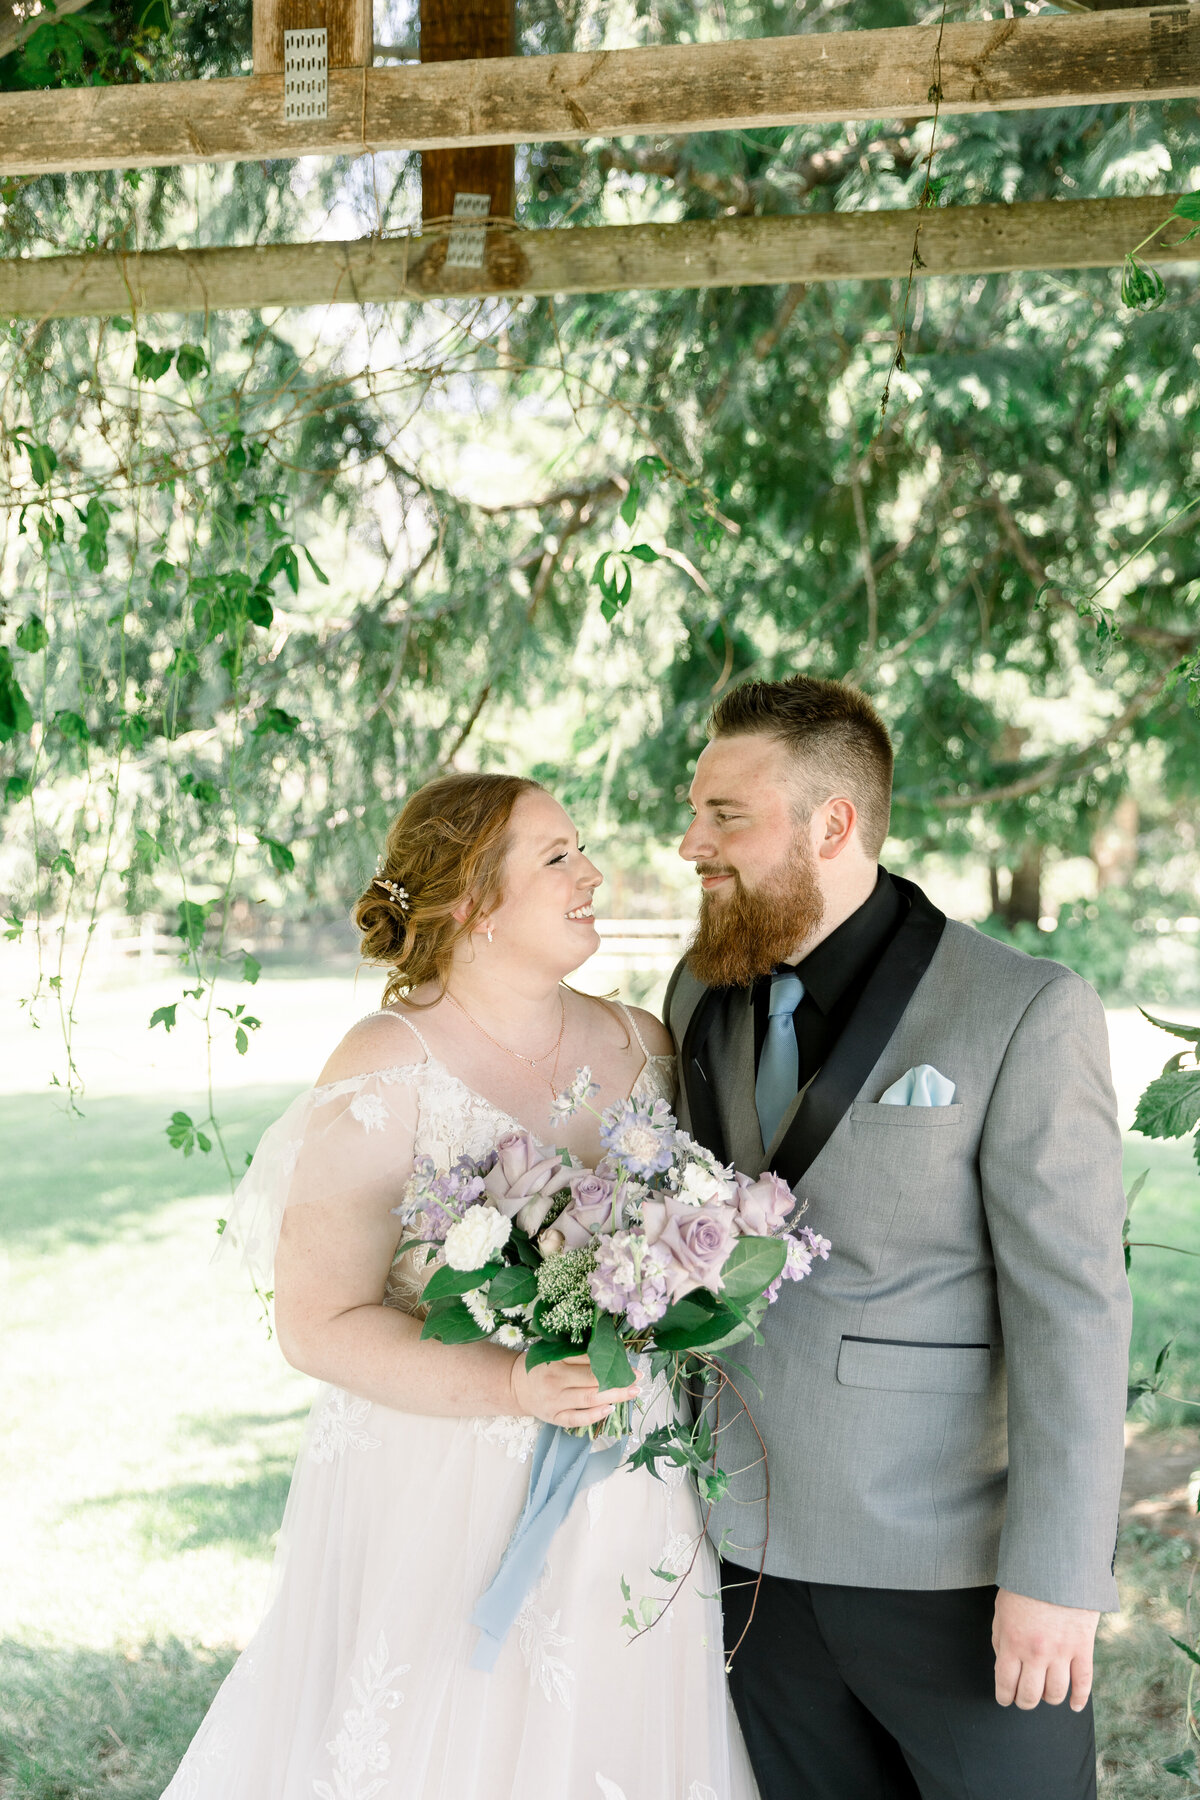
(1043, 1652)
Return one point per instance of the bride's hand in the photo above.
(564, 1393)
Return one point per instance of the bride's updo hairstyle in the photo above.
(450, 840)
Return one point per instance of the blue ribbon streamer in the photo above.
(563, 1465)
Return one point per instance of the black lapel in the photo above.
(702, 1099)
(866, 1036)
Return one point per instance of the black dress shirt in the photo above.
(834, 975)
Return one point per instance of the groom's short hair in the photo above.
(840, 743)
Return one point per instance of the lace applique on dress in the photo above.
(370, 1111)
(514, 1435)
(338, 1426)
(360, 1748)
(539, 1637)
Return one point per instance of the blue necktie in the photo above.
(779, 1065)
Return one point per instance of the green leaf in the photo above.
(754, 1263)
(193, 916)
(283, 560)
(282, 860)
(1142, 287)
(664, 1574)
(94, 542)
(1187, 207)
(150, 364)
(1170, 1106)
(548, 1350)
(626, 1591)
(183, 1135)
(688, 1314)
(72, 726)
(164, 1015)
(275, 720)
(648, 1609)
(16, 716)
(1183, 1764)
(42, 461)
(17, 787)
(251, 968)
(320, 574)
(190, 361)
(719, 1328)
(713, 1487)
(451, 1323)
(1190, 1033)
(446, 1280)
(63, 864)
(32, 635)
(241, 1041)
(14, 927)
(1193, 1655)
(147, 851)
(606, 1353)
(513, 1287)
(643, 552)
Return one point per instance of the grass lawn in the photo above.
(150, 1429)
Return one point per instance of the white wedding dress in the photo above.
(357, 1685)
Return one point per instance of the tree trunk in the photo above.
(1025, 889)
(1114, 847)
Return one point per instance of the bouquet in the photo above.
(659, 1249)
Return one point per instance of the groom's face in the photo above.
(761, 895)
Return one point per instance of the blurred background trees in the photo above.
(263, 575)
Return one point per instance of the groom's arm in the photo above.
(1050, 1165)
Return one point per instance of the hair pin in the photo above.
(399, 894)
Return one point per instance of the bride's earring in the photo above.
(491, 931)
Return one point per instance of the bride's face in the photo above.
(546, 914)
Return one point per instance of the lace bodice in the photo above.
(359, 1137)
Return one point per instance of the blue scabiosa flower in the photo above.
(640, 1135)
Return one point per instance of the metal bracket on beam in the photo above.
(305, 74)
(468, 241)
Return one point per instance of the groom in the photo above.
(942, 1402)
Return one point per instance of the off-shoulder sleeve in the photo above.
(348, 1145)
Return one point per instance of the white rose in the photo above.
(700, 1187)
(479, 1234)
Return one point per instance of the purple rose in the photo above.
(699, 1239)
(762, 1205)
(523, 1180)
(590, 1211)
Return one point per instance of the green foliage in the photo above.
(606, 1353)
(184, 1134)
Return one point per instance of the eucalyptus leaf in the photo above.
(753, 1264)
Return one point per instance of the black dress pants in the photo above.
(848, 1693)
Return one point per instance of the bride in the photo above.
(413, 1472)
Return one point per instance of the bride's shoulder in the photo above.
(381, 1041)
(652, 1033)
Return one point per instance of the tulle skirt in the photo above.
(357, 1684)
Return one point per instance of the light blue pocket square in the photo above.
(922, 1086)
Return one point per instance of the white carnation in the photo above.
(479, 1234)
(700, 1186)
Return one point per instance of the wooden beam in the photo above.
(955, 240)
(347, 22)
(456, 31)
(1006, 64)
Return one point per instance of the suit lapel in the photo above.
(702, 1100)
(837, 1083)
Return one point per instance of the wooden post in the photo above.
(348, 22)
(461, 31)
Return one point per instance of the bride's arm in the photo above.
(335, 1250)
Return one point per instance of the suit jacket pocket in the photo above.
(908, 1118)
(905, 1368)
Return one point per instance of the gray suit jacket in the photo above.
(942, 1403)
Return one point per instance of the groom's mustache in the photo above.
(715, 869)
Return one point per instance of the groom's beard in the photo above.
(747, 933)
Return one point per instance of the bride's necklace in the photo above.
(530, 1062)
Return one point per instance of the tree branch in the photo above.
(1071, 763)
